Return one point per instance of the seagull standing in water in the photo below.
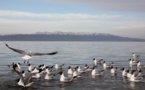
(27, 56)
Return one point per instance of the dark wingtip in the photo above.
(53, 53)
(6, 44)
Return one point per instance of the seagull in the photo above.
(27, 56)
(64, 78)
(30, 67)
(23, 73)
(48, 70)
(16, 65)
(37, 75)
(129, 73)
(106, 65)
(87, 68)
(38, 72)
(132, 62)
(124, 72)
(80, 70)
(70, 71)
(24, 81)
(58, 66)
(76, 73)
(48, 76)
(139, 66)
(138, 73)
(34, 70)
(136, 78)
(97, 73)
(113, 70)
(42, 66)
(96, 62)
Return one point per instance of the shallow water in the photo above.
(73, 54)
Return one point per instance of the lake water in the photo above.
(72, 54)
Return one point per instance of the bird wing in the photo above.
(29, 84)
(39, 54)
(68, 78)
(16, 50)
(101, 71)
(19, 73)
(61, 65)
(100, 60)
(28, 78)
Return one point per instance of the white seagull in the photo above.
(113, 70)
(64, 78)
(107, 65)
(97, 73)
(136, 78)
(24, 80)
(27, 56)
(70, 71)
(48, 76)
(124, 72)
(80, 70)
(96, 62)
(58, 66)
(13, 64)
(87, 68)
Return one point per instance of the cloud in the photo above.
(131, 5)
(71, 16)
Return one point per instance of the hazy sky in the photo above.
(119, 17)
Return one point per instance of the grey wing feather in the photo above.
(16, 50)
(68, 78)
(100, 60)
(28, 77)
(39, 54)
(20, 74)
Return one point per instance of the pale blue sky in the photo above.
(119, 17)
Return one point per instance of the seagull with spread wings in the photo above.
(27, 56)
(24, 81)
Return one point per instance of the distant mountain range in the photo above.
(65, 36)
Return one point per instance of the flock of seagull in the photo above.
(49, 72)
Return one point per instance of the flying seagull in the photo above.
(27, 56)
